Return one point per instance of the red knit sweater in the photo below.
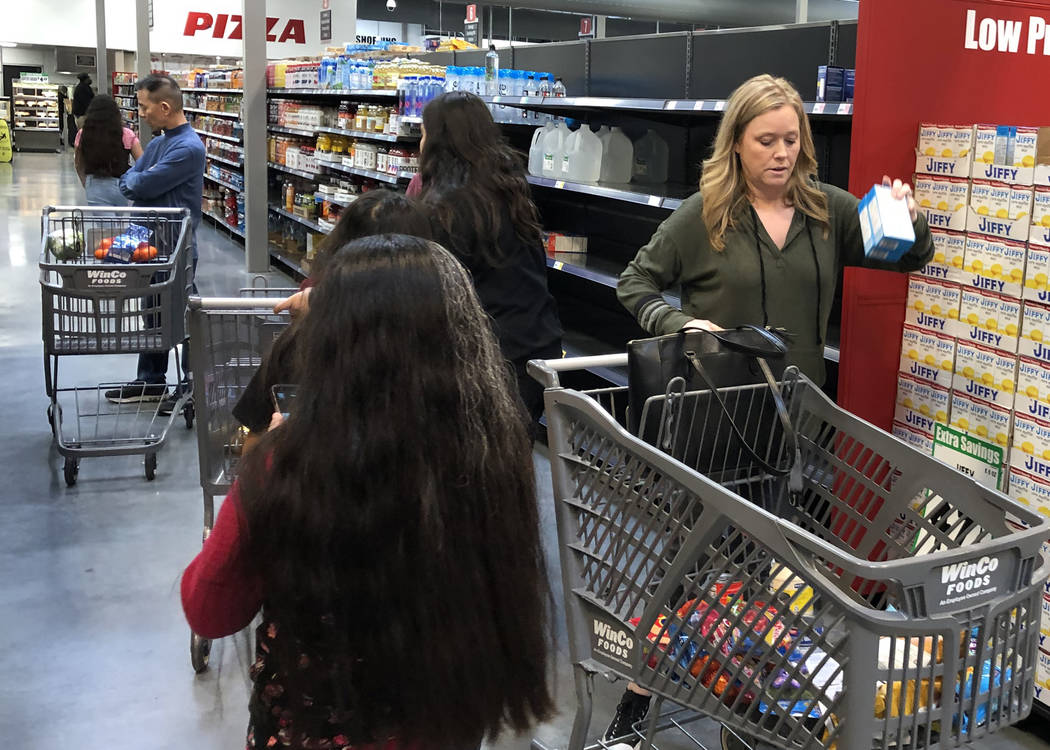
(220, 595)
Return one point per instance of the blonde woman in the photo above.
(762, 242)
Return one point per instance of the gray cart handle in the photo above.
(233, 303)
(546, 370)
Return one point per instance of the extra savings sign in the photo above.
(217, 28)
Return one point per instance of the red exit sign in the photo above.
(228, 26)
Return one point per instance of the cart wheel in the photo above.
(151, 466)
(731, 742)
(188, 414)
(200, 651)
(71, 469)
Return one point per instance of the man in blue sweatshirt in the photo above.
(170, 173)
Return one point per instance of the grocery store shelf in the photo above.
(657, 196)
(36, 97)
(218, 220)
(225, 184)
(234, 115)
(678, 106)
(312, 225)
(296, 172)
(343, 93)
(412, 120)
(130, 109)
(38, 130)
(224, 160)
(589, 267)
(212, 91)
(227, 138)
(288, 262)
(291, 131)
(393, 179)
(386, 137)
(578, 344)
(34, 117)
(125, 85)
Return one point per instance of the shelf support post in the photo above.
(142, 58)
(253, 117)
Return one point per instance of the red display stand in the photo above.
(943, 61)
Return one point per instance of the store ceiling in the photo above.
(703, 12)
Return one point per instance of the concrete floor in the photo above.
(93, 645)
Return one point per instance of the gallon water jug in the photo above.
(650, 159)
(617, 157)
(583, 156)
(536, 150)
(554, 151)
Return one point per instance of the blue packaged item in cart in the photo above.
(125, 244)
(991, 677)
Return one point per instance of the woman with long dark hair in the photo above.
(388, 528)
(481, 208)
(379, 211)
(104, 150)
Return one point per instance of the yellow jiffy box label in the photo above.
(920, 404)
(943, 200)
(980, 419)
(1030, 449)
(1039, 233)
(1025, 146)
(1033, 389)
(1035, 330)
(988, 319)
(1030, 491)
(933, 305)
(994, 264)
(985, 374)
(989, 198)
(1042, 669)
(1037, 274)
(914, 438)
(1020, 202)
(949, 252)
(927, 356)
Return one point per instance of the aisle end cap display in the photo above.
(927, 356)
(1030, 451)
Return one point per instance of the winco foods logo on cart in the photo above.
(613, 642)
(97, 279)
(965, 581)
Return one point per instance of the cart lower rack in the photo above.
(882, 601)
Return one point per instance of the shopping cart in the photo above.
(229, 336)
(94, 305)
(873, 598)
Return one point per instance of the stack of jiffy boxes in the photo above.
(976, 345)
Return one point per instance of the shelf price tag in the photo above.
(559, 184)
(655, 200)
(720, 105)
(558, 265)
(818, 108)
(845, 108)
(672, 104)
(698, 105)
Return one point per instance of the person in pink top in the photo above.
(104, 150)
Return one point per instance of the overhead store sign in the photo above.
(992, 34)
(225, 26)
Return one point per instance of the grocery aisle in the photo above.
(95, 648)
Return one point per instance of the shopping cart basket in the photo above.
(229, 337)
(884, 601)
(94, 304)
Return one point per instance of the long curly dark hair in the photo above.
(102, 139)
(471, 177)
(393, 516)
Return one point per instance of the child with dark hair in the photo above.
(104, 150)
(388, 529)
(376, 212)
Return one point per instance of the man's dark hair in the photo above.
(162, 88)
(84, 78)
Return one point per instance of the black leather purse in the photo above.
(711, 362)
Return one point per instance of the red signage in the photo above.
(586, 25)
(228, 26)
(472, 13)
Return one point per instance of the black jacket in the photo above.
(82, 96)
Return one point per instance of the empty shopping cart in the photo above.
(228, 339)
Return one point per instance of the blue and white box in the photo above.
(885, 225)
